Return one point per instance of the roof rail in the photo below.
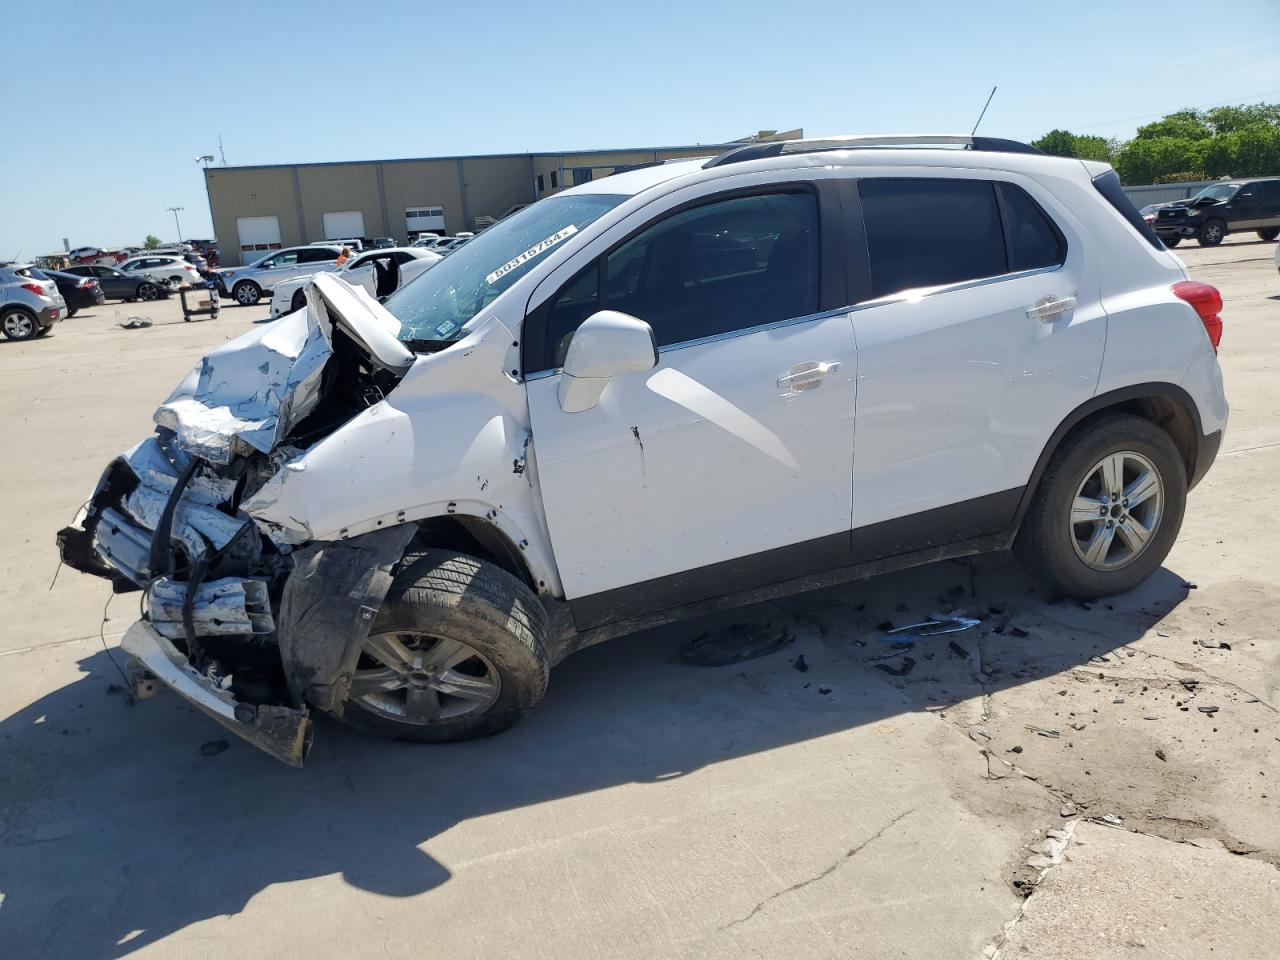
(779, 148)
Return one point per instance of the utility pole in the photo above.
(176, 223)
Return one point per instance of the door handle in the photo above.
(807, 375)
(1050, 309)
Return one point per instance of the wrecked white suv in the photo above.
(683, 387)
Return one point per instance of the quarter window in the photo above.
(725, 266)
(1034, 241)
(926, 233)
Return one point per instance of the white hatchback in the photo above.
(164, 267)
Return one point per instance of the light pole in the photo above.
(176, 223)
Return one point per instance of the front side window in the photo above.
(283, 260)
(927, 233)
(724, 266)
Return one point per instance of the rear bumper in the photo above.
(50, 315)
(280, 731)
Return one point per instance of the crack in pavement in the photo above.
(853, 852)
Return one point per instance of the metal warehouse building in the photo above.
(261, 208)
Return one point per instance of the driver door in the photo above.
(727, 466)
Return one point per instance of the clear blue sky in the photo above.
(108, 103)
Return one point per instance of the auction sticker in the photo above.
(535, 250)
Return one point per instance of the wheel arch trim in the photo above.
(1128, 399)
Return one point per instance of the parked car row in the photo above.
(118, 285)
(381, 272)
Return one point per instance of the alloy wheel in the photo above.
(1116, 511)
(421, 679)
(18, 325)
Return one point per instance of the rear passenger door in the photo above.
(980, 329)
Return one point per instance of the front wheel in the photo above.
(247, 293)
(1171, 242)
(1107, 510)
(1269, 234)
(458, 650)
(1212, 233)
(148, 291)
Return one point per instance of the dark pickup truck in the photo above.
(1231, 206)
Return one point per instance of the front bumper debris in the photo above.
(283, 732)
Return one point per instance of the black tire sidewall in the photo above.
(523, 671)
(155, 292)
(1049, 535)
(1268, 234)
(1172, 242)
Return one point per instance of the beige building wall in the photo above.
(331, 188)
(250, 192)
(466, 187)
(422, 183)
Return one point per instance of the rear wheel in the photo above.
(1212, 233)
(458, 650)
(1171, 242)
(1107, 510)
(19, 324)
(247, 293)
(1269, 234)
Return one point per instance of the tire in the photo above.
(19, 324)
(1172, 242)
(1211, 233)
(72, 311)
(298, 302)
(148, 291)
(247, 293)
(463, 601)
(1052, 548)
(1269, 234)
(46, 331)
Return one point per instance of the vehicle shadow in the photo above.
(116, 831)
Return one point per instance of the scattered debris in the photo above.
(1078, 726)
(1041, 731)
(958, 650)
(135, 323)
(213, 747)
(1067, 810)
(1118, 700)
(1018, 632)
(908, 664)
(742, 641)
(1112, 819)
(1207, 709)
(800, 664)
(1015, 749)
(824, 690)
(930, 628)
(1159, 754)
(1188, 585)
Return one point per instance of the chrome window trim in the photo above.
(918, 293)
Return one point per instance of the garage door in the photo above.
(343, 225)
(257, 235)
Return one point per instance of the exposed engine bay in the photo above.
(174, 517)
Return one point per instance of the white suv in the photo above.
(251, 283)
(163, 267)
(683, 387)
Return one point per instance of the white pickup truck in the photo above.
(686, 386)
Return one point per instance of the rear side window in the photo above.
(318, 255)
(1108, 184)
(1033, 239)
(926, 233)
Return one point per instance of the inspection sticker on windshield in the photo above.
(532, 252)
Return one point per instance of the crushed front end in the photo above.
(240, 617)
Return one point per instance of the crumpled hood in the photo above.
(248, 394)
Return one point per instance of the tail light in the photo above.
(86, 282)
(1207, 302)
(35, 288)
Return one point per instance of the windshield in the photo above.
(442, 300)
(1219, 191)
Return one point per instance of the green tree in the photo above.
(1231, 119)
(1185, 124)
(1057, 143)
(1096, 148)
(151, 242)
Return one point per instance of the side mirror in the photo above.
(608, 343)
